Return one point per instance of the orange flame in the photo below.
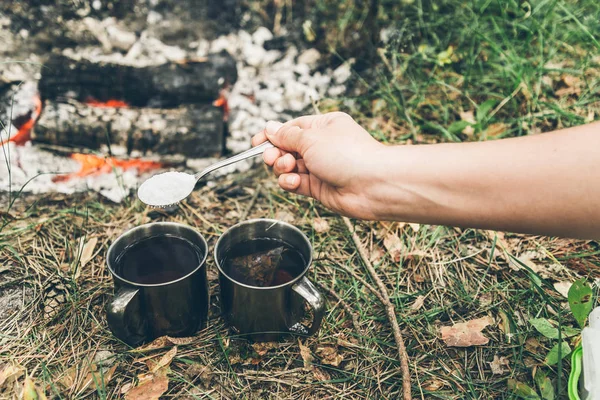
(96, 165)
(23, 135)
(222, 102)
(107, 104)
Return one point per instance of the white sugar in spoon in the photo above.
(169, 188)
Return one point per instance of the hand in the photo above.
(328, 157)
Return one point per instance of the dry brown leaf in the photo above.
(263, 348)
(495, 130)
(10, 373)
(165, 341)
(571, 85)
(415, 227)
(151, 389)
(285, 216)
(497, 364)
(393, 244)
(87, 253)
(126, 388)
(321, 375)
(329, 355)
(532, 345)
(419, 301)
(563, 288)
(164, 362)
(306, 355)
(376, 255)
(320, 225)
(432, 385)
(465, 334)
(32, 392)
(96, 379)
(204, 372)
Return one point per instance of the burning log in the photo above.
(194, 131)
(160, 86)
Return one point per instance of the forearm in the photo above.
(544, 184)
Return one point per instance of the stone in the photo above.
(261, 35)
(343, 72)
(104, 358)
(336, 91)
(119, 37)
(153, 17)
(310, 57)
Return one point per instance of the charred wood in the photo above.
(160, 86)
(194, 131)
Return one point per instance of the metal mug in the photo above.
(142, 312)
(268, 313)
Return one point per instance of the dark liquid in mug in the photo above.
(158, 259)
(263, 262)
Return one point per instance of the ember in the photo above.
(24, 134)
(107, 104)
(95, 165)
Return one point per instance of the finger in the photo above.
(296, 183)
(284, 164)
(270, 156)
(291, 138)
(259, 138)
(301, 167)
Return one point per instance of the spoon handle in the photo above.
(253, 152)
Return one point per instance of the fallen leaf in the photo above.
(415, 227)
(150, 390)
(329, 355)
(465, 334)
(10, 373)
(532, 345)
(165, 341)
(180, 340)
(263, 348)
(495, 130)
(432, 385)
(285, 216)
(376, 255)
(164, 362)
(87, 253)
(497, 364)
(32, 392)
(204, 372)
(393, 244)
(320, 225)
(321, 375)
(306, 355)
(570, 85)
(522, 390)
(419, 301)
(126, 388)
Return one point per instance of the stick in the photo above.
(389, 308)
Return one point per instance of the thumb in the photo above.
(288, 137)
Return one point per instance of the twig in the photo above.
(389, 308)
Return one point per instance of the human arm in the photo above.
(542, 184)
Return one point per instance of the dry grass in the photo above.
(456, 274)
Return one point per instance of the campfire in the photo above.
(106, 115)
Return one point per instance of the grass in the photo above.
(502, 68)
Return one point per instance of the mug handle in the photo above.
(125, 316)
(315, 299)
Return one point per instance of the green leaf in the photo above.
(484, 108)
(544, 384)
(580, 300)
(552, 357)
(522, 390)
(543, 326)
(458, 127)
(546, 328)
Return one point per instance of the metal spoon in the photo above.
(169, 188)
